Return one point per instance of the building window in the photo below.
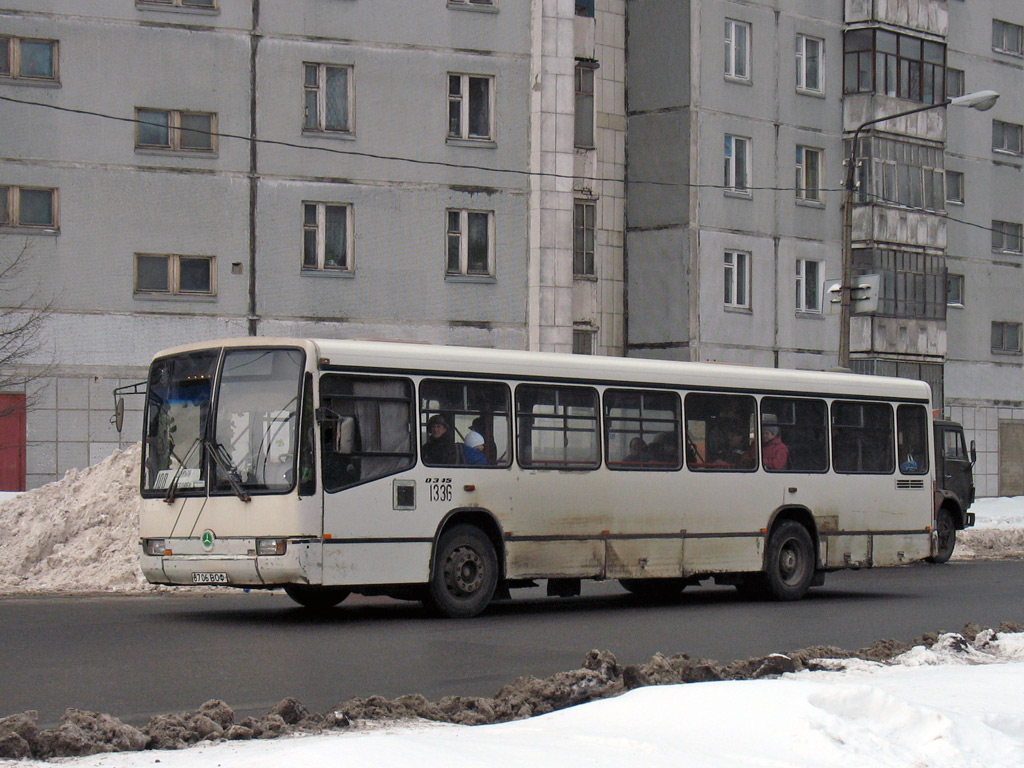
(901, 172)
(471, 3)
(808, 63)
(585, 8)
(737, 279)
(890, 64)
(1006, 237)
(954, 290)
(470, 107)
(28, 59)
(202, 4)
(808, 285)
(327, 237)
(1007, 37)
(737, 49)
(328, 98)
(1006, 137)
(34, 207)
(584, 228)
(1006, 337)
(954, 187)
(583, 341)
(808, 174)
(174, 274)
(737, 164)
(176, 130)
(954, 83)
(470, 243)
(584, 114)
(912, 282)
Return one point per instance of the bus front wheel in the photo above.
(465, 572)
(789, 561)
(316, 597)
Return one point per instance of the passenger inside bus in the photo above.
(439, 447)
(774, 453)
(638, 452)
(473, 450)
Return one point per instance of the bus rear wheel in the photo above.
(789, 562)
(654, 590)
(465, 572)
(946, 531)
(316, 597)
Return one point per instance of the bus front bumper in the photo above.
(233, 562)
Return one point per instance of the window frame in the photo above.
(429, 396)
(525, 458)
(175, 131)
(1007, 237)
(462, 236)
(1010, 138)
(1002, 30)
(320, 91)
(174, 275)
(802, 58)
(190, 6)
(956, 82)
(319, 227)
(892, 67)
(861, 430)
(13, 69)
(583, 341)
(613, 424)
(805, 170)
(584, 103)
(802, 281)
(732, 167)
(584, 240)
(1003, 327)
(954, 298)
(10, 215)
(465, 104)
(737, 54)
(955, 191)
(738, 266)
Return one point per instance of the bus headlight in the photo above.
(271, 546)
(153, 547)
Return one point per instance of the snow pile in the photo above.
(998, 532)
(80, 533)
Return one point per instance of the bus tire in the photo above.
(316, 597)
(654, 590)
(789, 561)
(465, 572)
(945, 529)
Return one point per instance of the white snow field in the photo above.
(951, 706)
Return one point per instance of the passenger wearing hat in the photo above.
(473, 448)
(774, 453)
(439, 447)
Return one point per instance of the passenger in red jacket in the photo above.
(774, 453)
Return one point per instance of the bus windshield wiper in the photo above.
(224, 463)
(173, 485)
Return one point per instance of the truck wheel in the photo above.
(946, 530)
(315, 597)
(465, 572)
(789, 562)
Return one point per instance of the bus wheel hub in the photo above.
(464, 571)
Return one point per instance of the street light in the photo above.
(979, 100)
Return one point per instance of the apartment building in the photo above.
(449, 172)
(737, 185)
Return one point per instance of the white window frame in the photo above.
(956, 80)
(737, 53)
(808, 174)
(174, 275)
(803, 42)
(736, 274)
(954, 298)
(584, 241)
(319, 91)
(175, 131)
(460, 237)
(1002, 348)
(1007, 37)
(318, 229)
(1007, 237)
(10, 213)
(808, 274)
(955, 196)
(13, 69)
(462, 102)
(584, 113)
(1007, 138)
(733, 168)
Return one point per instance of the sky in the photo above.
(932, 708)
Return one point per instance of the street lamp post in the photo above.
(980, 100)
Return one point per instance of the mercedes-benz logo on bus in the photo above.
(207, 539)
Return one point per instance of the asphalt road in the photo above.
(136, 656)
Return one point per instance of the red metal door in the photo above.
(12, 442)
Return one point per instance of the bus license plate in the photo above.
(209, 578)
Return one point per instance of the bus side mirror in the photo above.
(118, 418)
(974, 453)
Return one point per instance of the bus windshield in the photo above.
(251, 444)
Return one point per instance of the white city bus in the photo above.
(305, 464)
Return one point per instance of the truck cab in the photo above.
(954, 486)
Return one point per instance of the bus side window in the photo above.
(720, 432)
(464, 407)
(642, 430)
(557, 427)
(862, 437)
(803, 426)
(912, 430)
